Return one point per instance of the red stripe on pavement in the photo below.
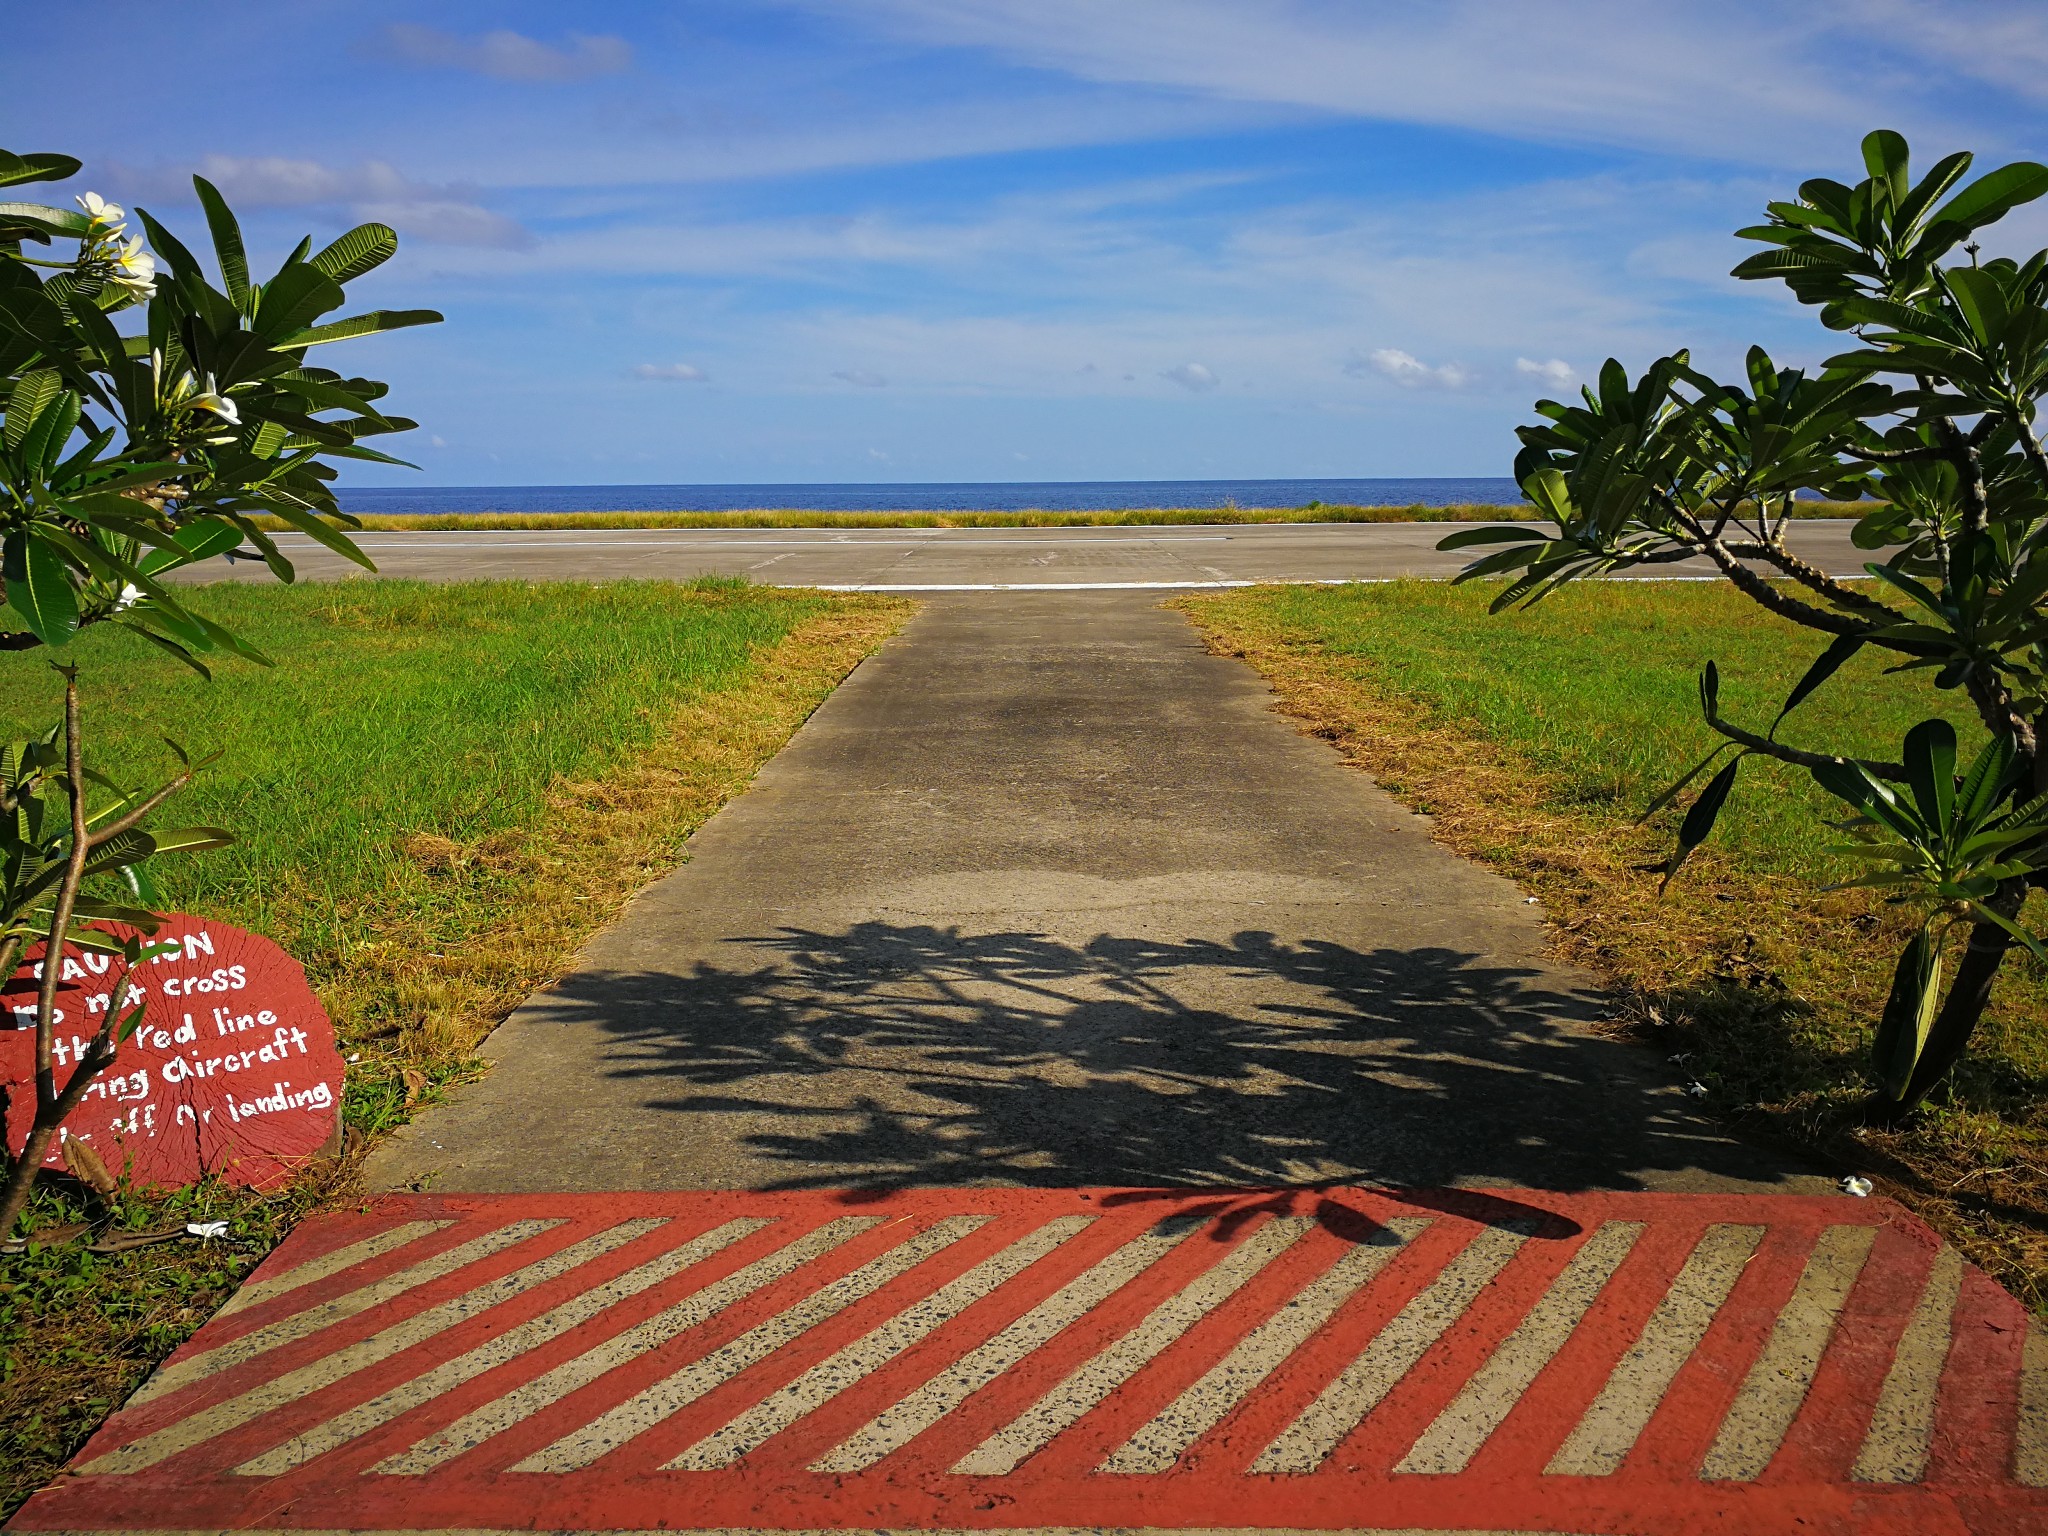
(1823, 1444)
(979, 1359)
(1979, 1403)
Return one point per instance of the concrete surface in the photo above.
(1047, 895)
(925, 559)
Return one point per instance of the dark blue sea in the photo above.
(967, 496)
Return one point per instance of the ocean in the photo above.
(966, 496)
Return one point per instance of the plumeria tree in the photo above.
(152, 411)
(1927, 411)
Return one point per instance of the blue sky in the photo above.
(845, 240)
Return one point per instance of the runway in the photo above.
(951, 559)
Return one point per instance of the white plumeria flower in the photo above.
(135, 270)
(213, 400)
(130, 596)
(103, 214)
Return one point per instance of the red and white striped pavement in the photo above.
(1057, 1359)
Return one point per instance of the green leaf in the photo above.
(68, 222)
(1701, 816)
(1825, 666)
(1908, 1014)
(1987, 779)
(1930, 759)
(377, 320)
(1549, 490)
(16, 169)
(314, 528)
(227, 242)
(1993, 195)
(1937, 181)
(1885, 157)
(295, 296)
(165, 643)
(1980, 297)
(39, 588)
(1507, 534)
(201, 539)
(1673, 791)
(192, 839)
(363, 248)
(32, 391)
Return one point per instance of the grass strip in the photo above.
(1534, 739)
(442, 791)
(797, 517)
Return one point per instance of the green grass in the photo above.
(395, 708)
(1598, 687)
(797, 517)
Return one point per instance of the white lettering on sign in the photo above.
(231, 1068)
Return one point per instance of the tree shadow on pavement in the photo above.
(893, 1056)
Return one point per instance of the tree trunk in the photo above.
(1968, 997)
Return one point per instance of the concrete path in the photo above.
(942, 559)
(1045, 894)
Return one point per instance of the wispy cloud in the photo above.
(674, 373)
(860, 378)
(504, 55)
(1760, 85)
(1408, 370)
(1557, 373)
(371, 189)
(1191, 376)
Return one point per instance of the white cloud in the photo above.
(1408, 370)
(505, 55)
(860, 378)
(1759, 84)
(1996, 41)
(674, 372)
(373, 189)
(1191, 376)
(1557, 373)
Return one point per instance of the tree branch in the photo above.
(1893, 772)
(1893, 455)
(1760, 591)
(1814, 578)
(134, 818)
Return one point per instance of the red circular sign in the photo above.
(232, 1072)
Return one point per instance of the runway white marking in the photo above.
(303, 1324)
(898, 1425)
(1450, 1443)
(1395, 1350)
(1902, 1423)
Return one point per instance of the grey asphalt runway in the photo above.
(951, 559)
